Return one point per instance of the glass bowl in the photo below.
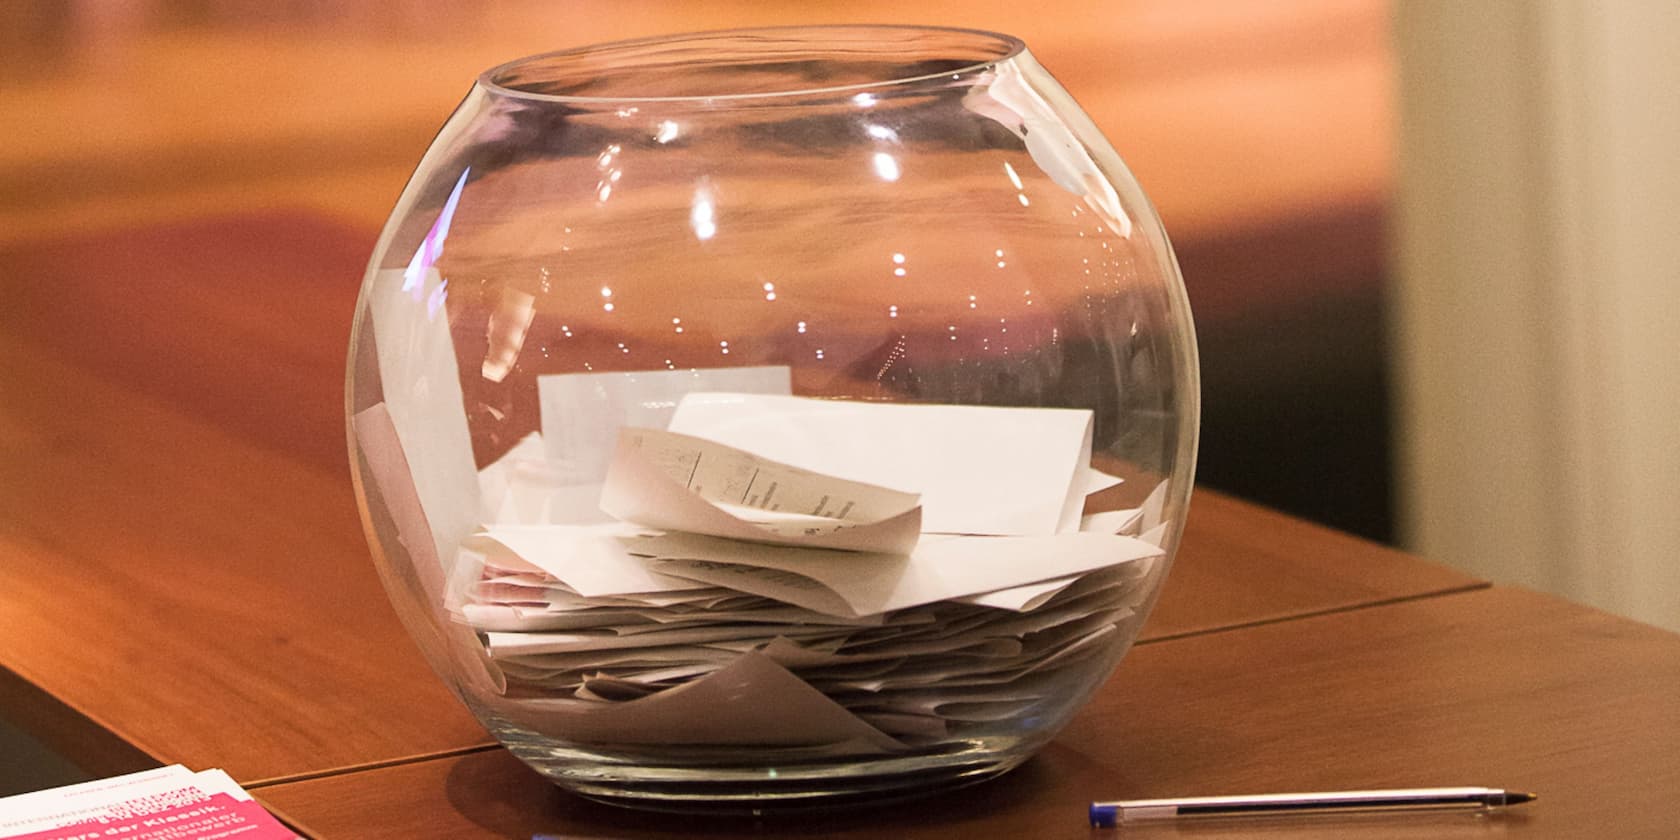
(773, 418)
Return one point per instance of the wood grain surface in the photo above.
(179, 548)
(1497, 687)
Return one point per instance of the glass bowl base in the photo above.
(764, 787)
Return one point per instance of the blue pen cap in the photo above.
(1104, 815)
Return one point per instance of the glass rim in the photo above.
(1000, 47)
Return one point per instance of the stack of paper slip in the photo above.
(746, 567)
(896, 562)
(168, 803)
(755, 568)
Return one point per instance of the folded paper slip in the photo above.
(752, 701)
(854, 584)
(681, 483)
(979, 469)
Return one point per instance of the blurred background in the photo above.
(1426, 244)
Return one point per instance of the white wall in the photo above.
(1536, 315)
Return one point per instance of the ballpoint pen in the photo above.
(1111, 814)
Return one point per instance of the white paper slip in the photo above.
(1112, 521)
(582, 412)
(495, 480)
(524, 488)
(750, 702)
(1156, 535)
(518, 619)
(591, 559)
(791, 653)
(504, 645)
(537, 667)
(422, 388)
(1154, 508)
(1030, 596)
(391, 478)
(677, 482)
(1094, 480)
(840, 583)
(980, 470)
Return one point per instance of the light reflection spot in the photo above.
(1013, 178)
(886, 166)
(702, 216)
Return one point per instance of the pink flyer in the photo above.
(210, 818)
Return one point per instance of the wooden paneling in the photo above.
(1232, 112)
(1495, 687)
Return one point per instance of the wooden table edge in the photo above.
(86, 739)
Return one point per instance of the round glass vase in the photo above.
(773, 418)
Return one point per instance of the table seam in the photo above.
(1348, 608)
(370, 765)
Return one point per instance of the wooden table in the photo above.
(1491, 686)
(182, 579)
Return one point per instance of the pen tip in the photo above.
(1513, 797)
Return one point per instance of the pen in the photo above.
(1111, 814)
